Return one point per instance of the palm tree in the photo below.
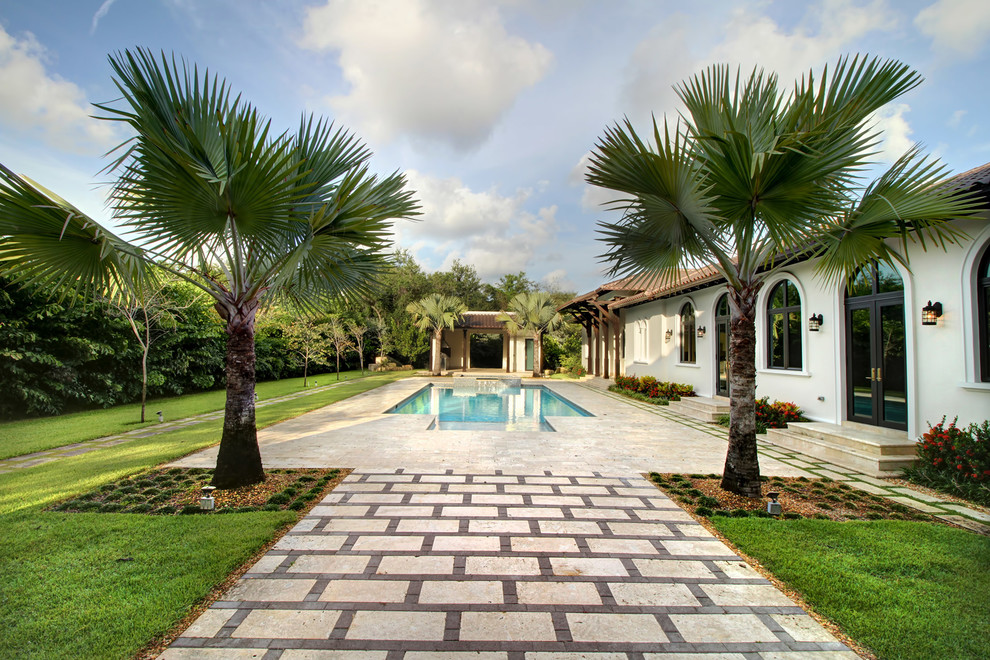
(534, 313)
(754, 179)
(432, 314)
(208, 193)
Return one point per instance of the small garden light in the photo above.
(930, 313)
(161, 417)
(206, 502)
(815, 322)
(773, 506)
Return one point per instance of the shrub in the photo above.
(651, 388)
(703, 511)
(279, 498)
(739, 513)
(776, 415)
(707, 501)
(964, 453)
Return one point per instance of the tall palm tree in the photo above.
(208, 193)
(534, 313)
(432, 314)
(754, 179)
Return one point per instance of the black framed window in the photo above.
(688, 338)
(784, 327)
(983, 311)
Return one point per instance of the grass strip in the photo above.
(905, 590)
(103, 585)
(26, 436)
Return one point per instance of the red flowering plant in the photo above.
(962, 453)
(650, 388)
(776, 415)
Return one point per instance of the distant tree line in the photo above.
(59, 356)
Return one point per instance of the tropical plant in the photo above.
(358, 331)
(534, 313)
(340, 338)
(754, 179)
(210, 194)
(432, 314)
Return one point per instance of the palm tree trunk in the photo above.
(435, 352)
(145, 348)
(537, 354)
(239, 460)
(742, 467)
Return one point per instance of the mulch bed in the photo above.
(799, 497)
(176, 491)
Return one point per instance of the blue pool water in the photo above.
(512, 409)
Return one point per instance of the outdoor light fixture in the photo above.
(206, 502)
(773, 506)
(930, 313)
(815, 322)
(701, 331)
(161, 417)
(667, 335)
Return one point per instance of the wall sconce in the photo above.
(667, 335)
(815, 322)
(930, 313)
(701, 331)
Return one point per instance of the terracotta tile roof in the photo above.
(978, 176)
(688, 280)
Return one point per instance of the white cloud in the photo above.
(33, 100)
(444, 70)
(895, 131)
(958, 28)
(593, 198)
(100, 13)
(492, 232)
(673, 52)
(956, 119)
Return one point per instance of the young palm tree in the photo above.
(432, 314)
(209, 194)
(534, 313)
(754, 179)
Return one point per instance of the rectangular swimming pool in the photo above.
(510, 409)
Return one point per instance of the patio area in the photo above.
(620, 440)
(500, 546)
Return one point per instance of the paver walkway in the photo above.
(493, 566)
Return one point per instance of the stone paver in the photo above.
(634, 581)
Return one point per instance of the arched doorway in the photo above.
(722, 318)
(486, 350)
(876, 358)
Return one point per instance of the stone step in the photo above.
(877, 454)
(702, 408)
(893, 443)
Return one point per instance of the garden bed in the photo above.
(176, 491)
(800, 497)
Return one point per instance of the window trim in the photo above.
(688, 334)
(785, 311)
(982, 335)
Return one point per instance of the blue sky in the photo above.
(489, 107)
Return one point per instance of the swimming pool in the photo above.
(510, 409)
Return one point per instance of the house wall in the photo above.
(942, 361)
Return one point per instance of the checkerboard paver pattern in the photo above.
(397, 566)
(964, 516)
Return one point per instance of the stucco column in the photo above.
(464, 359)
(506, 353)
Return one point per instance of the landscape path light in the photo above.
(773, 506)
(206, 502)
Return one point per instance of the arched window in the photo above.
(983, 298)
(784, 327)
(688, 346)
(641, 347)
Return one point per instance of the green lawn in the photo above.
(906, 590)
(64, 594)
(31, 435)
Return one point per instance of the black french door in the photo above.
(876, 367)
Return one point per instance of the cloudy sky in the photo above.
(489, 107)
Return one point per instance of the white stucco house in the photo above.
(900, 349)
